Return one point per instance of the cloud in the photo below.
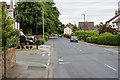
(95, 10)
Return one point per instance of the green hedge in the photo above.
(68, 36)
(81, 34)
(105, 40)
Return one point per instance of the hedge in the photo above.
(80, 34)
(105, 40)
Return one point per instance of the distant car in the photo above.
(29, 40)
(74, 39)
(60, 36)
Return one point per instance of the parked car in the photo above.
(30, 40)
(74, 39)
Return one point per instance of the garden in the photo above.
(103, 36)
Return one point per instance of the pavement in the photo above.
(78, 60)
(32, 63)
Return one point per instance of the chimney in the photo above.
(116, 12)
(11, 4)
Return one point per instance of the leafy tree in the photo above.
(8, 33)
(27, 17)
(104, 28)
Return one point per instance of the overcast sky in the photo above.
(95, 10)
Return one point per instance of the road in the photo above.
(77, 60)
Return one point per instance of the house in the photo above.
(115, 21)
(12, 13)
(67, 31)
(88, 26)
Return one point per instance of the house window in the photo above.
(113, 25)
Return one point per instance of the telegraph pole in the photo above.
(84, 28)
(43, 21)
(36, 27)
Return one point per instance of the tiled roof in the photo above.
(113, 18)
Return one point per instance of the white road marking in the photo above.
(48, 54)
(80, 50)
(43, 54)
(61, 63)
(110, 67)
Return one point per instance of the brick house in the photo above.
(88, 26)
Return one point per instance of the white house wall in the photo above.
(67, 31)
(17, 25)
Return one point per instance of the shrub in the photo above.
(81, 34)
(42, 42)
(47, 34)
(22, 47)
(105, 40)
(46, 38)
(106, 34)
(39, 42)
(68, 36)
(92, 39)
(27, 47)
(18, 47)
(31, 47)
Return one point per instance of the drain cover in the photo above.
(36, 67)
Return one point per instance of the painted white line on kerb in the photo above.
(48, 62)
(110, 67)
(111, 50)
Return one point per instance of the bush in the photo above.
(46, 38)
(105, 40)
(81, 34)
(31, 47)
(42, 42)
(22, 47)
(47, 34)
(106, 34)
(39, 42)
(18, 47)
(27, 47)
(68, 36)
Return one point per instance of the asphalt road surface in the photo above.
(77, 60)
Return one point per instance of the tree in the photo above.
(104, 28)
(27, 17)
(8, 33)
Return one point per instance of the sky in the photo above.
(95, 10)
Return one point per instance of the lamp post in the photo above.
(36, 27)
(43, 21)
(84, 28)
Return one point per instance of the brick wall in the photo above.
(0, 65)
(39, 36)
(10, 59)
